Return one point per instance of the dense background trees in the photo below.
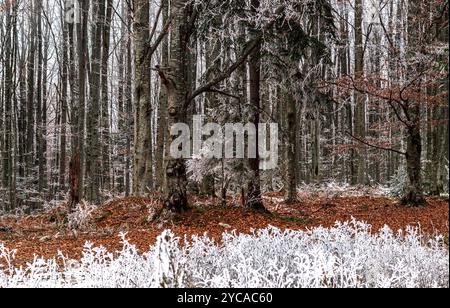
(88, 94)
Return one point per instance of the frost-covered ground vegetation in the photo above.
(347, 255)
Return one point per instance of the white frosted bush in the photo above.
(347, 255)
(80, 217)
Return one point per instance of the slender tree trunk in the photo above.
(129, 109)
(121, 114)
(30, 94)
(22, 124)
(40, 152)
(64, 111)
(105, 133)
(44, 115)
(7, 127)
(360, 113)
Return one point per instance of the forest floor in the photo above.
(45, 234)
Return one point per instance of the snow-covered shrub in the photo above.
(348, 255)
(398, 183)
(333, 189)
(153, 210)
(80, 217)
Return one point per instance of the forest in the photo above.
(137, 116)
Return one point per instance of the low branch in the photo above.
(354, 87)
(375, 145)
(224, 94)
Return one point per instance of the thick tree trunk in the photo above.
(291, 164)
(93, 149)
(213, 63)
(175, 188)
(75, 181)
(76, 165)
(142, 167)
(414, 194)
(315, 149)
(254, 196)
(162, 111)
(347, 119)
(437, 184)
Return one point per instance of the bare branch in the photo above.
(155, 23)
(152, 48)
(375, 145)
(224, 94)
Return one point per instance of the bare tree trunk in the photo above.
(39, 102)
(360, 109)
(175, 188)
(22, 121)
(30, 94)
(162, 110)
(291, 163)
(254, 196)
(315, 148)
(213, 63)
(76, 165)
(142, 166)
(40, 152)
(129, 109)
(93, 150)
(8, 180)
(63, 97)
(438, 135)
(105, 133)
(414, 195)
